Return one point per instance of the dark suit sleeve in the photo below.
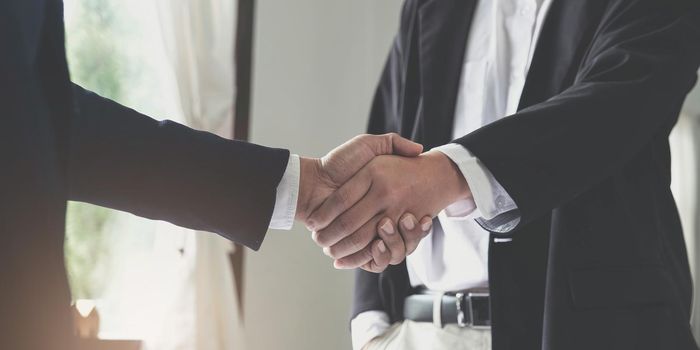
(366, 295)
(628, 90)
(162, 170)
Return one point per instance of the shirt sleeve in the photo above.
(367, 326)
(490, 200)
(287, 194)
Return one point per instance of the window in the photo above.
(114, 48)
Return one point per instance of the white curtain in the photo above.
(197, 305)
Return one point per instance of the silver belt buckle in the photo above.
(465, 307)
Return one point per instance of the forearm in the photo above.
(162, 170)
(491, 204)
(627, 93)
(447, 184)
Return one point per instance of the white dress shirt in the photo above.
(287, 194)
(499, 51)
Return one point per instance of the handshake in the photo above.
(362, 200)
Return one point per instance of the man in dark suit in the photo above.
(588, 252)
(59, 142)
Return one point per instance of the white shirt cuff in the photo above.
(367, 326)
(490, 199)
(287, 194)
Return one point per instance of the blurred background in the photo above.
(315, 64)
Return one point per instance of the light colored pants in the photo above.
(410, 335)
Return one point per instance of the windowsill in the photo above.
(108, 344)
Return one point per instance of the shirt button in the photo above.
(500, 202)
(525, 10)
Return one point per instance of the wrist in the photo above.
(309, 177)
(450, 182)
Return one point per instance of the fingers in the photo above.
(391, 143)
(343, 162)
(377, 256)
(393, 241)
(354, 242)
(361, 258)
(404, 147)
(339, 202)
(350, 221)
(380, 257)
(399, 246)
(374, 267)
(374, 258)
(413, 231)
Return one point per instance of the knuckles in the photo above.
(362, 137)
(341, 198)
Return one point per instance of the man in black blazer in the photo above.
(59, 142)
(593, 256)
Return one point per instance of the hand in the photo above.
(399, 246)
(388, 186)
(321, 177)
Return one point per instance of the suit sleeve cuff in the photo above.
(367, 326)
(490, 199)
(287, 194)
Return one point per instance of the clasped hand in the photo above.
(362, 200)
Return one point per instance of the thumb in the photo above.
(404, 147)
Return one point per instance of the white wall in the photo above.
(316, 65)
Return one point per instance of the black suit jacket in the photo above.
(597, 259)
(60, 142)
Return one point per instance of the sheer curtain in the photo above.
(168, 286)
(200, 311)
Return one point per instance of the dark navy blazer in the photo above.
(597, 259)
(59, 142)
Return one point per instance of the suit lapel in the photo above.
(443, 26)
(568, 28)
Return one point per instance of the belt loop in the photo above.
(437, 309)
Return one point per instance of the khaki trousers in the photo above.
(410, 335)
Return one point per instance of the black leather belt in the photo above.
(466, 309)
